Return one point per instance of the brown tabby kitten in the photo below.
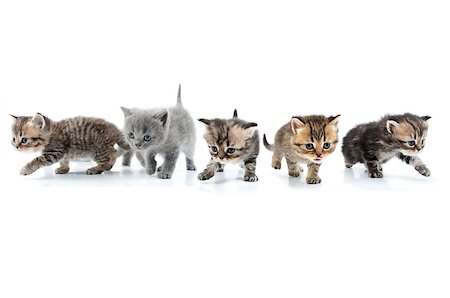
(229, 141)
(78, 137)
(375, 143)
(305, 139)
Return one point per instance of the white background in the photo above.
(125, 234)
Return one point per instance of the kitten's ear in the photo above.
(334, 120)
(162, 116)
(38, 121)
(250, 129)
(296, 125)
(205, 121)
(391, 125)
(14, 117)
(235, 115)
(126, 111)
(424, 118)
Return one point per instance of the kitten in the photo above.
(305, 139)
(160, 131)
(375, 143)
(230, 141)
(72, 138)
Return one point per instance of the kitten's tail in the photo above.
(266, 144)
(179, 104)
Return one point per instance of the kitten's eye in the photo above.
(14, 140)
(131, 135)
(423, 141)
(326, 145)
(147, 138)
(412, 143)
(214, 149)
(231, 150)
(309, 146)
(24, 140)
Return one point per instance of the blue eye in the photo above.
(411, 143)
(326, 145)
(309, 146)
(131, 135)
(147, 138)
(214, 149)
(231, 150)
(24, 140)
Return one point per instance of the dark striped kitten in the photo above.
(231, 141)
(375, 143)
(61, 141)
(304, 139)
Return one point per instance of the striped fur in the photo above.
(307, 140)
(231, 141)
(375, 143)
(61, 141)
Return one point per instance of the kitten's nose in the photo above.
(138, 145)
(319, 154)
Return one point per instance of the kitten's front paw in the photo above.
(251, 178)
(313, 180)
(126, 163)
(164, 175)
(377, 174)
(294, 173)
(205, 175)
(94, 171)
(423, 170)
(26, 170)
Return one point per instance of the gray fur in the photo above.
(171, 130)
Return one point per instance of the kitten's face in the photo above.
(410, 134)
(315, 137)
(144, 130)
(228, 139)
(29, 133)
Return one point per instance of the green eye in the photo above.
(326, 145)
(214, 149)
(309, 146)
(412, 143)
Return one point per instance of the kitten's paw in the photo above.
(126, 163)
(251, 178)
(294, 173)
(26, 171)
(62, 170)
(93, 171)
(219, 170)
(276, 164)
(313, 180)
(423, 170)
(205, 175)
(164, 175)
(348, 165)
(150, 171)
(377, 174)
(191, 168)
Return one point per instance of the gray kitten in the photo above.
(160, 131)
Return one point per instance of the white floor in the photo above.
(126, 234)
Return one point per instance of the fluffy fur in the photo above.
(307, 140)
(231, 141)
(375, 143)
(160, 131)
(61, 141)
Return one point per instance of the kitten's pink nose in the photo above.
(318, 154)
